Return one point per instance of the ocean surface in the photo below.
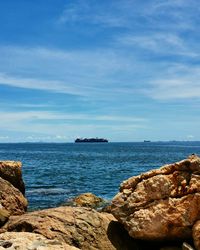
(54, 173)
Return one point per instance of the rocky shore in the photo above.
(159, 209)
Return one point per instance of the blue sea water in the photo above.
(54, 173)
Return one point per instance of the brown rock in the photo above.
(30, 241)
(11, 199)
(162, 204)
(196, 234)
(87, 200)
(187, 246)
(106, 209)
(11, 171)
(84, 228)
(4, 215)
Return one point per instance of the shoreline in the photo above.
(149, 192)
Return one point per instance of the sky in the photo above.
(125, 70)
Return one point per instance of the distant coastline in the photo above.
(67, 142)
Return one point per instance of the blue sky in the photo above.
(126, 70)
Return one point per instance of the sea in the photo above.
(54, 173)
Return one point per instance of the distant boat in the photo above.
(79, 140)
(147, 141)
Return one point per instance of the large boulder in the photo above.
(30, 241)
(11, 171)
(11, 199)
(83, 228)
(162, 204)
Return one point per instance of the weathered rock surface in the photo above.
(87, 200)
(30, 241)
(81, 227)
(162, 204)
(11, 171)
(4, 215)
(196, 234)
(11, 199)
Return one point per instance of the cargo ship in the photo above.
(79, 140)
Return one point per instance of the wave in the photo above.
(48, 191)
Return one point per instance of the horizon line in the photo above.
(55, 142)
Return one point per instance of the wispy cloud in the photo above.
(160, 43)
(133, 14)
(94, 13)
(99, 68)
(174, 16)
(42, 115)
(165, 5)
(84, 73)
(39, 84)
(41, 125)
(104, 74)
(180, 82)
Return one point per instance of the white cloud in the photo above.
(161, 43)
(39, 84)
(12, 117)
(120, 71)
(166, 4)
(179, 82)
(94, 13)
(103, 75)
(49, 126)
(170, 15)
(4, 137)
(133, 14)
(142, 50)
(167, 93)
(85, 73)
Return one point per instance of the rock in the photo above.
(4, 215)
(30, 241)
(87, 200)
(162, 204)
(196, 234)
(84, 228)
(107, 208)
(11, 199)
(11, 171)
(186, 246)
